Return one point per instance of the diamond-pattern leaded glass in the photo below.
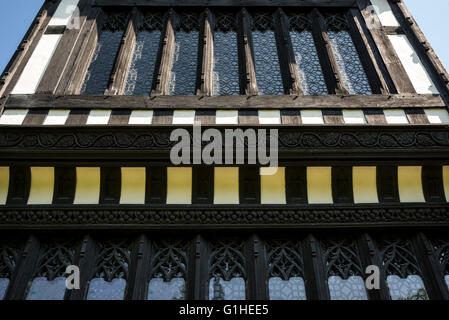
(285, 270)
(111, 271)
(141, 70)
(97, 77)
(268, 70)
(352, 288)
(403, 273)
(351, 69)
(168, 271)
(185, 59)
(226, 61)
(309, 66)
(344, 270)
(227, 272)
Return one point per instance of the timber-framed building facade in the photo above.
(90, 98)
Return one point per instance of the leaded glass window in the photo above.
(268, 70)
(226, 59)
(108, 45)
(403, 274)
(185, 58)
(141, 71)
(9, 255)
(111, 272)
(306, 55)
(227, 271)
(351, 69)
(50, 279)
(285, 271)
(344, 270)
(168, 271)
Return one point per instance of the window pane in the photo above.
(4, 282)
(226, 67)
(100, 289)
(43, 289)
(292, 289)
(226, 61)
(351, 69)
(233, 289)
(97, 78)
(172, 290)
(268, 71)
(183, 78)
(352, 288)
(309, 67)
(411, 288)
(141, 70)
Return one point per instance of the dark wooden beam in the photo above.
(206, 52)
(332, 75)
(65, 52)
(289, 66)
(120, 70)
(165, 57)
(248, 83)
(391, 60)
(225, 102)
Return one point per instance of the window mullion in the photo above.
(86, 262)
(314, 270)
(198, 270)
(25, 270)
(289, 67)
(165, 64)
(139, 270)
(369, 255)
(248, 72)
(120, 70)
(329, 64)
(256, 269)
(206, 52)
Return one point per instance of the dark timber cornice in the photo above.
(296, 143)
(226, 3)
(225, 102)
(225, 217)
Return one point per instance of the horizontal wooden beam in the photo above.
(224, 102)
(227, 3)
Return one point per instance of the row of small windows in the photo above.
(228, 54)
(168, 269)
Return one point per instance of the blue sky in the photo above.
(17, 15)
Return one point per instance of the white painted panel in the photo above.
(437, 115)
(312, 117)
(64, 12)
(184, 117)
(36, 66)
(395, 116)
(269, 117)
(354, 117)
(13, 116)
(227, 117)
(386, 16)
(141, 117)
(99, 117)
(56, 117)
(413, 65)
